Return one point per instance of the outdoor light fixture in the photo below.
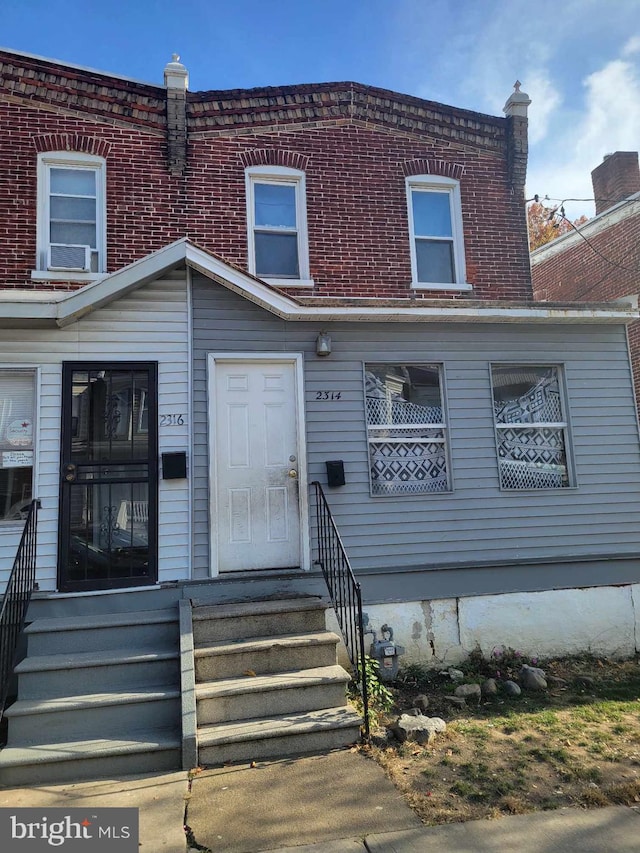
(323, 344)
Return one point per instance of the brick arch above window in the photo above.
(274, 157)
(72, 142)
(427, 166)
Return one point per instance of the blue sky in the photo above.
(579, 60)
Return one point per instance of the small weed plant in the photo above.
(381, 699)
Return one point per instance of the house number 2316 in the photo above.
(171, 420)
(328, 395)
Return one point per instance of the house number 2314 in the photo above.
(328, 395)
(171, 420)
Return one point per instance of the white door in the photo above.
(257, 468)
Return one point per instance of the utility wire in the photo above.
(590, 244)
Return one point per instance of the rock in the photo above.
(458, 701)
(468, 691)
(535, 669)
(489, 687)
(531, 679)
(456, 675)
(420, 729)
(511, 688)
(421, 701)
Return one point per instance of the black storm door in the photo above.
(109, 476)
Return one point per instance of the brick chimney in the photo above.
(176, 81)
(616, 178)
(517, 139)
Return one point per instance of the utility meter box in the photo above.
(387, 653)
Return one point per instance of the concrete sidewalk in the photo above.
(160, 797)
(343, 803)
(338, 803)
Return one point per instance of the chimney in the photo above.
(616, 178)
(517, 141)
(176, 81)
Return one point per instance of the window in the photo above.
(531, 429)
(435, 225)
(71, 216)
(277, 225)
(17, 407)
(406, 429)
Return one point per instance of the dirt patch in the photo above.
(575, 744)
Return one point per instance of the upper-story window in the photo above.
(277, 225)
(435, 227)
(71, 214)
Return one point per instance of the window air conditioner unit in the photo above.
(69, 258)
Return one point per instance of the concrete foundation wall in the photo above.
(602, 620)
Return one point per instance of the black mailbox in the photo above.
(174, 466)
(335, 473)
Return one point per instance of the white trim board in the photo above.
(66, 309)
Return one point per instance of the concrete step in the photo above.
(265, 655)
(269, 695)
(55, 676)
(216, 623)
(79, 717)
(144, 629)
(26, 766)
(276, 737)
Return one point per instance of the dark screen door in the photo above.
(109, 476)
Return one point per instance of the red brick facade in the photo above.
(606, 267)
(355, 144)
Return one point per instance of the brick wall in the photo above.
(356, 200)
(580, 273)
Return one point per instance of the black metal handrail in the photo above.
(345, 594)
(16, 600)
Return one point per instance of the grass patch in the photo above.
(577, 743)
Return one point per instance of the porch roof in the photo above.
(61, 308)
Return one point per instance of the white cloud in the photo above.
(610, 121)
(545, 100)
(632, 46)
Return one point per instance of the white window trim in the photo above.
(443, 425)
(564, 425)
(282, 174)
(452, 187)
(70, 159)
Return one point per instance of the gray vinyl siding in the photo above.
(477, 523)
(150, 324)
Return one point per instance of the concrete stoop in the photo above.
(97, 696)
(268, 684)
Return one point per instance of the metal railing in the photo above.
(16, 600)
(345, 594)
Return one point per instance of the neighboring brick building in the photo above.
(216, 307)
(602, 261)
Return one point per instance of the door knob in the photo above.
(293, 473)
(69, 473)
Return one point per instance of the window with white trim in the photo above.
(71, 214)
(406, 429)
(277, 225)
(531, 426)
(17, 414)
(436, 237)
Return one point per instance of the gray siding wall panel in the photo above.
(476, 522)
